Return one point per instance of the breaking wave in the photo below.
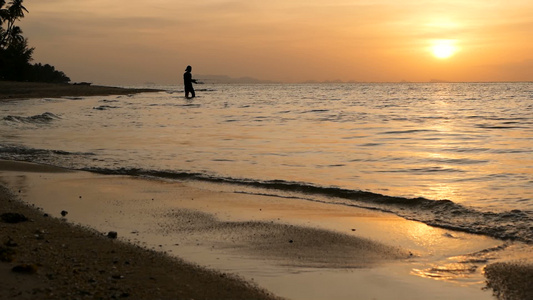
(508, 225)
(22, 153)
(46, 117)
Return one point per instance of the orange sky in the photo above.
(133, 41)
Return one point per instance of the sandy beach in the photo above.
(69, 234)
(58, 260)
(22, 90)
(292, 250)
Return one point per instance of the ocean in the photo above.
(452, 155)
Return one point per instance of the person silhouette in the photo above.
(188, 81)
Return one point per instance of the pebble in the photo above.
(10, 243)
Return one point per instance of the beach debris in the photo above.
(353, 229)
(7, 254)
(39, 234)
(13, 218)
(64, 213)
(448, 235)
(291, 241)
(25, 269)
(112, 234)
(10, 242)
(82, 83)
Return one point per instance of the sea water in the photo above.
(454, 155)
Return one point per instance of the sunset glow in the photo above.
(443, 49)
(135, 41)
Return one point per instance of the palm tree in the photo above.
(15, 54)
(11, 34)
(4, 14)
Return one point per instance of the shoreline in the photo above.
(10, 90)
(60, 260)
(229, 232)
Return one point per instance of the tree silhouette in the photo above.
(15, 54)
(12, 34)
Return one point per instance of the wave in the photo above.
(46, 117)
(508, 225)
(32, 154)
(105, 107)
(408, 131)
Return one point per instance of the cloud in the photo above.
(515, 71)
(296, 40)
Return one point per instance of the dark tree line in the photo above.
(15, 54)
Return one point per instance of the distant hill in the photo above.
(227, 79)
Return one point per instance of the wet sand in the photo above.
(58, 260)
(23, 90)
(293, 248)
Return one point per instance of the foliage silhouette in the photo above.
(15, 54)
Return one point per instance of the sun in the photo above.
(443, 49)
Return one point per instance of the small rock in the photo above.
(7, 254)
(10, 242)
(64, 213)
(291, 241)
(353, 229)
(25, 268)
(448, 235)
(13, 218)
(112, 234)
